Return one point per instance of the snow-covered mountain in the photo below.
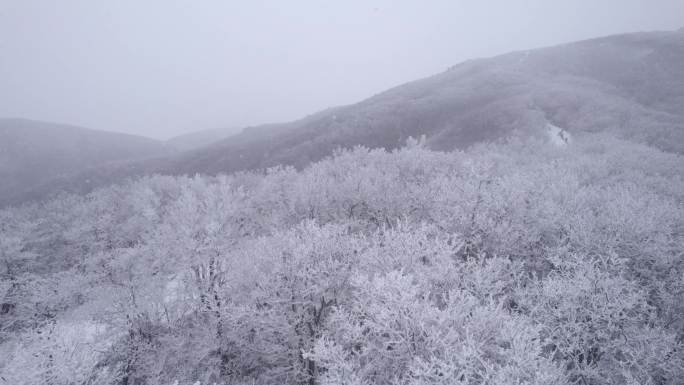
(630, 85)
(202, 138)
(33, 152)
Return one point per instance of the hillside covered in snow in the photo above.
(631, 86)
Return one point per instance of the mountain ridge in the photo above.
(484, 99)
(33, 151)
(198, 139)
(628, 85)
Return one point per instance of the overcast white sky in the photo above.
(163, 67)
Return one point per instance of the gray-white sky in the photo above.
(164, 67)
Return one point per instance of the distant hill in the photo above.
(630, 85)
(33, 152)
(201, 138)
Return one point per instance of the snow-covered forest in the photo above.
(509, 263)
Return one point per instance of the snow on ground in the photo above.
(558, 136)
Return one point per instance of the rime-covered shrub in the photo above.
(599, 325)
(392, 332)
(509, 263)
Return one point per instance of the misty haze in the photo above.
(342, 193)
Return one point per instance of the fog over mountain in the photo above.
(200, 138)
(33, 152)
(630, 85)
(163, 68)
(512, 219)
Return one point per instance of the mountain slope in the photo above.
(33, 152)
(198, 139)
(631, 85)
(628, 85)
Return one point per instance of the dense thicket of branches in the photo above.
(514, 263)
